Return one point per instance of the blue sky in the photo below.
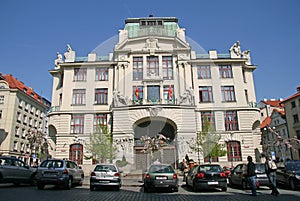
(32, 31)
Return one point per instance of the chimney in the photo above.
(298, 89)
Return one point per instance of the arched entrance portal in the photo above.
(152, 127)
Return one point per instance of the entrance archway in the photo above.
(152, 127)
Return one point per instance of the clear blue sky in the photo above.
(32, 31)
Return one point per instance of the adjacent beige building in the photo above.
(22, 111)
(292, 111)
(155, 80)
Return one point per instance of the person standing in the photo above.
(251, 175)
(271, 172)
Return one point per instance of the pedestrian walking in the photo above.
(184, 168)
(251, 175)
(271, 172)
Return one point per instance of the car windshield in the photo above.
(52, 164)
(105, 168)
(260, 168)
(161, 169)
(293, 166)
(210, 168)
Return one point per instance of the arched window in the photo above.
(234, 152)
(76, 153)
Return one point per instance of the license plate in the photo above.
(103, 181)
(261, 175)
(161, 178)
(212, 183)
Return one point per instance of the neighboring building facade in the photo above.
(154, 82)
(21, 111)
(292, 111)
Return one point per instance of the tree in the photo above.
(207, 142)
(101, 145)
(38, 143)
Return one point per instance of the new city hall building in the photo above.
(154, 81)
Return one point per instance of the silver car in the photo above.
(60, 172)
(13, 170)
(106, 175)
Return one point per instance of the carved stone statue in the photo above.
(70, 54)
(187, 97)
(118, 99)
(235, 49)
(246, 55)
(58, 61)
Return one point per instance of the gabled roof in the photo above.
(14, 83)
(266, 122)
(293, 96)
(273, 103)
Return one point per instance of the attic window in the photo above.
(25, 90)
(151, 23)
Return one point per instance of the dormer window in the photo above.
(151, 23)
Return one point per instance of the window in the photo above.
(137, 68)
(17, 131)
(101, 96)
(153, 93)
(79, 74)
(1, 99)
(208, 116)
(293, 104)
(78, 97)
(25, 119)
(205, 94)
(225, 71)
(100, 120)
(77, 123)
(203, 72)
(228, 94)
(0, 114)
(15, 145)
(296, 118)
(234, 151)
(152, 66)
(167, 65)
(244, 76)
(169, 94)
(23, 135)
(19, 117)
(76, 153)
(101, 74)
(246, 95)
(137, 93)
(231, 121)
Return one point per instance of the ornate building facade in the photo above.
(155, 81)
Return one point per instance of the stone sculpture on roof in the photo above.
(70, 54)
(58, 61)
(235, 50)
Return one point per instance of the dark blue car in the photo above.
(288, 174)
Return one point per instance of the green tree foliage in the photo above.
(207, 142)
(101, 145)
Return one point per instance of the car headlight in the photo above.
(297, 177)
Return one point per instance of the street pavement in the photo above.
(132, 190)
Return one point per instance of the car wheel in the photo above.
(175, 189)
(92, 188)
(230, 182)
(292, 184)
(68, 185)
(40, 186)
(224, 189)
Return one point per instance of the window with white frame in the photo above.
(203, 72)
(80, 74)
(205, 94)
(77, 123)
(167, 67)
(78, 97)
(137, 68)
(101, 74)
(225, 71)
(228, 94)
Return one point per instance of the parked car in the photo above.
(207, 176)
(13, 170)
(160, 176)
(238, 176)
(60, 172)
(288, 174)
(105, 175)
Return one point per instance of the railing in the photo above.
(54, 109)
(152, 31)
